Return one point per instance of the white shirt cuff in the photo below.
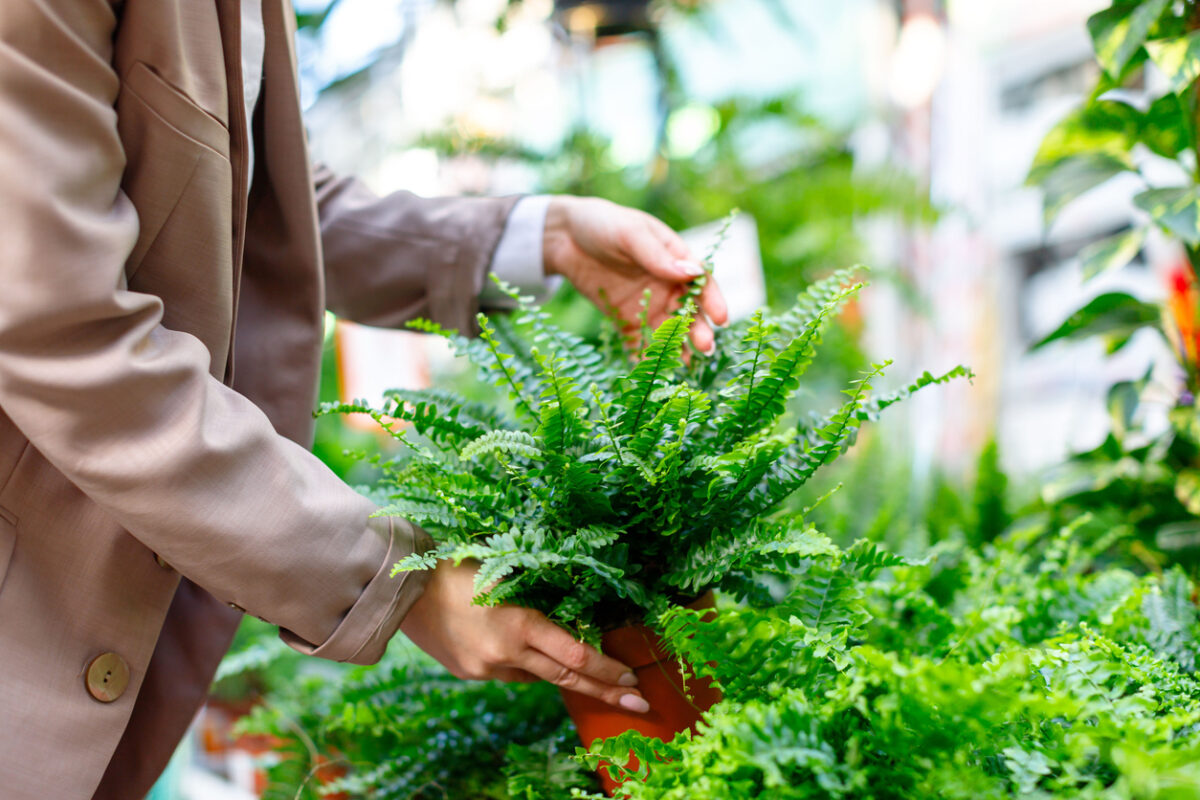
(518, 257)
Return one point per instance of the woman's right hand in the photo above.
(510, 643)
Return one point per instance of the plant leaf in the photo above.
(1118, 32)
(1178, 59)
(1104, 126)
(1074, 176)
(1115, 316)
(660, 360)
(1176, 210)
(1111, 253)
(1187, 490)
(518, 443)
(1122, 406)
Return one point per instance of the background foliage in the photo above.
(988, 649)
(1137, 123)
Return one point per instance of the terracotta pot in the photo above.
(659, 681)
(326, 772)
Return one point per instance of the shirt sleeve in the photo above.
(518, 259)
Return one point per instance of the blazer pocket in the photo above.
(165, 136)
(176, 109)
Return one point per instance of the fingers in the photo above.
(512, 675)
(702, 337)
(671, 240)
(666, 262)
(547, 668)
(712, 299)
(712, 303)
(556, 643)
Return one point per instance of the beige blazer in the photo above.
(159, 345)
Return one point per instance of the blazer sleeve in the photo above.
(392, 259)
(124, 407)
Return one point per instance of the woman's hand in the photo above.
(612, 254)
(509, 643)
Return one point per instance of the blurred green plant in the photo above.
(1144, 476)
(872, 493)
(407, 729)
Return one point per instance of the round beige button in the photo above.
(107, 677)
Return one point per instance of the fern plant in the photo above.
(614, 489)
(1022, 668)
(1041, 677)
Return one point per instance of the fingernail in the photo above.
(691, 268)
(712, 349)
(631, 702)
(628, 679)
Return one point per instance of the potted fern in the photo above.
(616, 488)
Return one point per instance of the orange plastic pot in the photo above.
(672, 709)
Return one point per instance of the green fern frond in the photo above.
(416, 562)
(443, 416)
(757, 352)
(618, 752)
(764, 400)
(383, 420)
(516, 443)
(659, 362)
(591, 538)
(612, 440)
(563, 416)
(876, 405)
(691, 295)
(579, 360)
(809, 303)
(866, 558)
(1172, 618)
(424, 513)
(684, 405)
(827, 597)
(505, 372)
(816, 446)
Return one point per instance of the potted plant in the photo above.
(620, 488)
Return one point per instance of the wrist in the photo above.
(425, 607)
(556, 236)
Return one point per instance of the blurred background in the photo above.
(893, 133)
